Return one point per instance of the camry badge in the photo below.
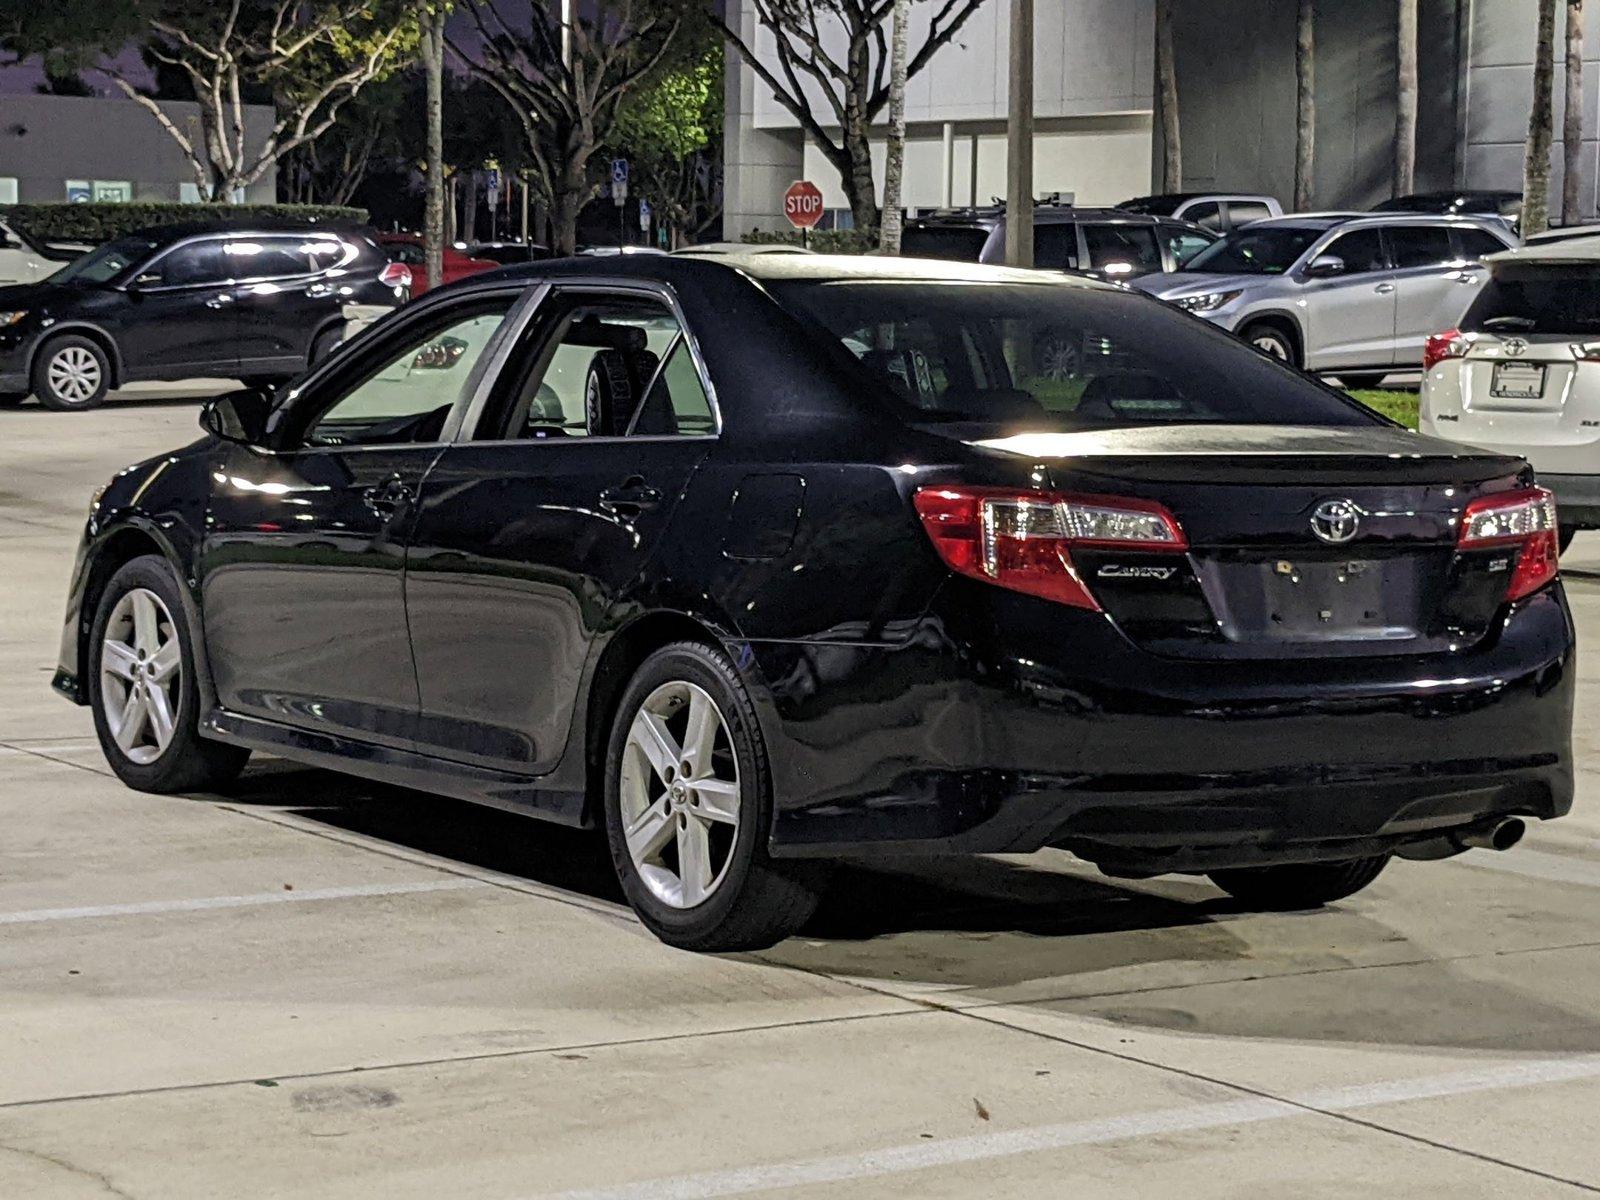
(1114, 571)
(1336, 521)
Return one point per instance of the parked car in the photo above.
(1352, 295)
(409, 249)
(508, 254)
(1102, 243)
(759, 563)
(24, 260)
(1502, 206)
(1521, 372)
(1219, 211)
(255, 302)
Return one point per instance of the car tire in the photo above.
(1564, 536)
(141, 684)
(1271, 341)
(719, 810)
(1299, 885)
(1363, 379)
(323, 345)
(71, 374)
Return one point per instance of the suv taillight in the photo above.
(1525, 519)
(1023, 540)
(396, 275)
(1452, 343)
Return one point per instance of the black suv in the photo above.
(1105, 243)
(258, 303)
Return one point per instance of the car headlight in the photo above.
(94, 500)
(1207, 302)
(12, 317)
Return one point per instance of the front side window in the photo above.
(1184, 244)
(1420, 245)
(409, 395)
(600, 366)
(1052, 358)
(1361, 250)
(105, 263)
(1207, 213)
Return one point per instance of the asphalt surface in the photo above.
(316, 987)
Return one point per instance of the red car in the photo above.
(408, 248)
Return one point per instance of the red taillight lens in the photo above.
(1525, 519)
(1022, 540)
(396, 275)
(1449, 344)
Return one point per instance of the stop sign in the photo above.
(802, 204)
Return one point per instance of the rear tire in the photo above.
(1299, 885)
(1363, 379)
(325, 344)
(142, 689)
(687, 817)
(1272, 341)
(1565, 534)
(71, 374)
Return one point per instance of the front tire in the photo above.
(142, 686)
(1272, 341)
(71, 374)
(1299, 885)
(1363, 379)
(325, 344)
(688, 806)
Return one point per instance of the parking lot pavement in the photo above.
(318, 987)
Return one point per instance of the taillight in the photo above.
(1452, 343)
(1023, 540)
(396, 275)
(1524, 519)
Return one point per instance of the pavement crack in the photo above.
(61, 1164)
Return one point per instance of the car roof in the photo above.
(1043, 214)
(1331, 220)
(167, 234)
(1579, 247)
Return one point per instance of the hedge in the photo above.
(95, 223)
(824, 241)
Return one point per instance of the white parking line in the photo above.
(1553, 868)
(922, 1155)
(201, 904)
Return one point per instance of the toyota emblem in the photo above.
(1336, 521)
(1514, 347)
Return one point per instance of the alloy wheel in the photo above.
(1272, 346)
(141, 675)
(74, 374)
(680, 794)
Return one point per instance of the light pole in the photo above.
(1019, 139)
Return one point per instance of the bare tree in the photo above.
(1167, 89)
(567, 104)
(1541, 122)
(1405, 101)
(895, 157)
(1305, 103)
(1572, 117)
(309, 56)
(853, 85)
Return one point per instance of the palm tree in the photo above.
(1572, 119)
(1167, 88)
(1405, 102)
(1305, 106)
(894, 162)
(1541, 122)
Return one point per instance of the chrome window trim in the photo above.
(234, 281)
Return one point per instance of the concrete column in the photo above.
(947, 187)
(1019, 139)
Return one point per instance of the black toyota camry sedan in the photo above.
(756, 562)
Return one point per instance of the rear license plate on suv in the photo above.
(1517, 381)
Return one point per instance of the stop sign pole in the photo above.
(802, 204)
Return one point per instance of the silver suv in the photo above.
(1353, 295)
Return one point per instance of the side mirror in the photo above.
(239, 417)
(1324, 266)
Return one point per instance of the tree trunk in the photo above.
(1305, 71)
(1405, 102)
(1572, 119)
(571, 193)
(859, 187)
(1167, 87)
(433, 215)
(1536, 165)
(894, 164)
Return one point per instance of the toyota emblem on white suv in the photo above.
(1336, 521)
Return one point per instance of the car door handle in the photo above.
(1383, 289)
(221, 301)
(319, 291)
(388, 497)
(630, 498)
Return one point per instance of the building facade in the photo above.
(72, 148)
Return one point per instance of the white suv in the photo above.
(1521, 374)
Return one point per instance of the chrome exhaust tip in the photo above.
(1501, 834)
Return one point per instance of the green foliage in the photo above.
(101, 222)
(824, 241)
(65, 34)
(1396, 405)
(676, 113)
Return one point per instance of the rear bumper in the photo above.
(1577, 498)
(1067, 735)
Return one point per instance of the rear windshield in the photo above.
(953, 243)
(1529, 298)
(1050, 358)
(1256, 251)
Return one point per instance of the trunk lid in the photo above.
(1383, 576)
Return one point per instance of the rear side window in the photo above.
(193, 265)
(1207, 213)
(1056, 246)
(266, 258)
(953, 243)
(1242, 212)
(1420, 245)
(1475, 243)
(1122, 250)
(1537, 298)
